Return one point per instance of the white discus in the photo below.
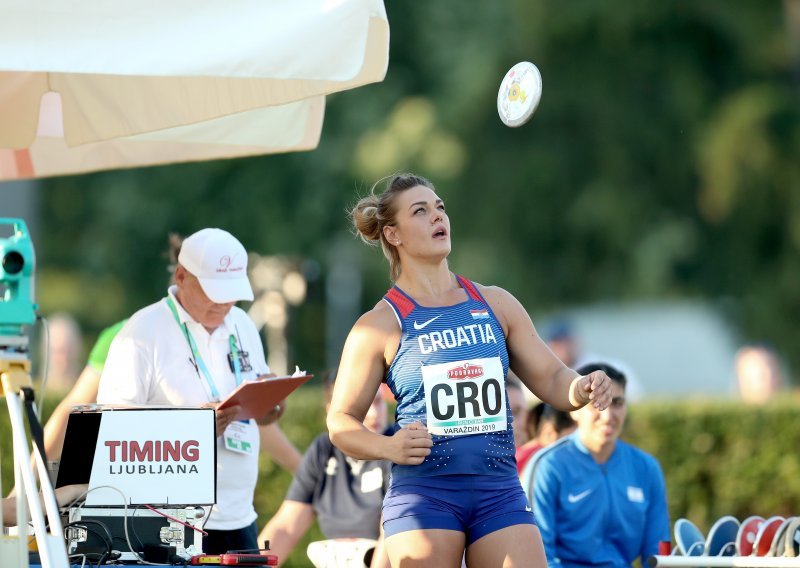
(519, 94)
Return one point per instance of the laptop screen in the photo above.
(79, 448)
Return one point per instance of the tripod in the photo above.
(16, 383)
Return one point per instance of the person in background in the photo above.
(272, 439)
(598, 500)
(64, 496)
(343, 494)
(560, 338)
(444, 345)
(758, 373)
(519, 408)
(83, 392)
(544, 426)
(64, 352)
(193, 348)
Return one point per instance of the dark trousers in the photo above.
(220, 542)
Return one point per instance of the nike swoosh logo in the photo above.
(528, 508)
(423, 325)
(575, 498)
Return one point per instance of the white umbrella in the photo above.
(87, 85)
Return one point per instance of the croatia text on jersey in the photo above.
(463, 335)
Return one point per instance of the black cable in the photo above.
(106, 538)
(121, 539)
(34, 425)
(133, 531)
(88, 556)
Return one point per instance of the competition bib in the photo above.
(465, 397)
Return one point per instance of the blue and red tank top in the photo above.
(449, 373)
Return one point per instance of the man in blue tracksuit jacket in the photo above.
(597, 500)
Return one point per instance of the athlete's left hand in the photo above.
(594, 389)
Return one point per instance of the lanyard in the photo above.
(199, 359)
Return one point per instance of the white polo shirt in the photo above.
(150, 362)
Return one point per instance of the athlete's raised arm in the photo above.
(367, 353)
(536, 366)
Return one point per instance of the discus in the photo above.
(519, 94)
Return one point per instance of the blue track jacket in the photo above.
(594, 514)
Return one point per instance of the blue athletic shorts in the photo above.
(473, 504)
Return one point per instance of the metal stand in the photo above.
(14, 379)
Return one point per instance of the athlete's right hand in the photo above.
(410, 445)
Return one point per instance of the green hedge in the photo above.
(719, 458)
(723, 458)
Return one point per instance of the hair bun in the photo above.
(365, 219)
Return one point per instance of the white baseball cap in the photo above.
(218, 260)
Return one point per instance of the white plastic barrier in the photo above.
(723, 561)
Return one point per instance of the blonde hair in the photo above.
(376, 211)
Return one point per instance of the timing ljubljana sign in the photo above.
(163, 456)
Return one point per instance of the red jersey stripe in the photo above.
(403, 304)
(470, 288)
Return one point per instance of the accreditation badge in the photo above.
(240, 437)
(465, 397)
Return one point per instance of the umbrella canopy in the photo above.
(93, 85)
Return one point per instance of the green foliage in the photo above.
(661, 163)
(723, 458)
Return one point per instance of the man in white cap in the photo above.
(193, 348)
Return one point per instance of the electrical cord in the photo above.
(173, 519)
(89, 557)
(175, 558)
(105, 536)
(107, 539)
(133, 530)
(83, 563)
(138, 556)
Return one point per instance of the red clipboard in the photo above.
(256, 398)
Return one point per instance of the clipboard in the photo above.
(256, 398)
